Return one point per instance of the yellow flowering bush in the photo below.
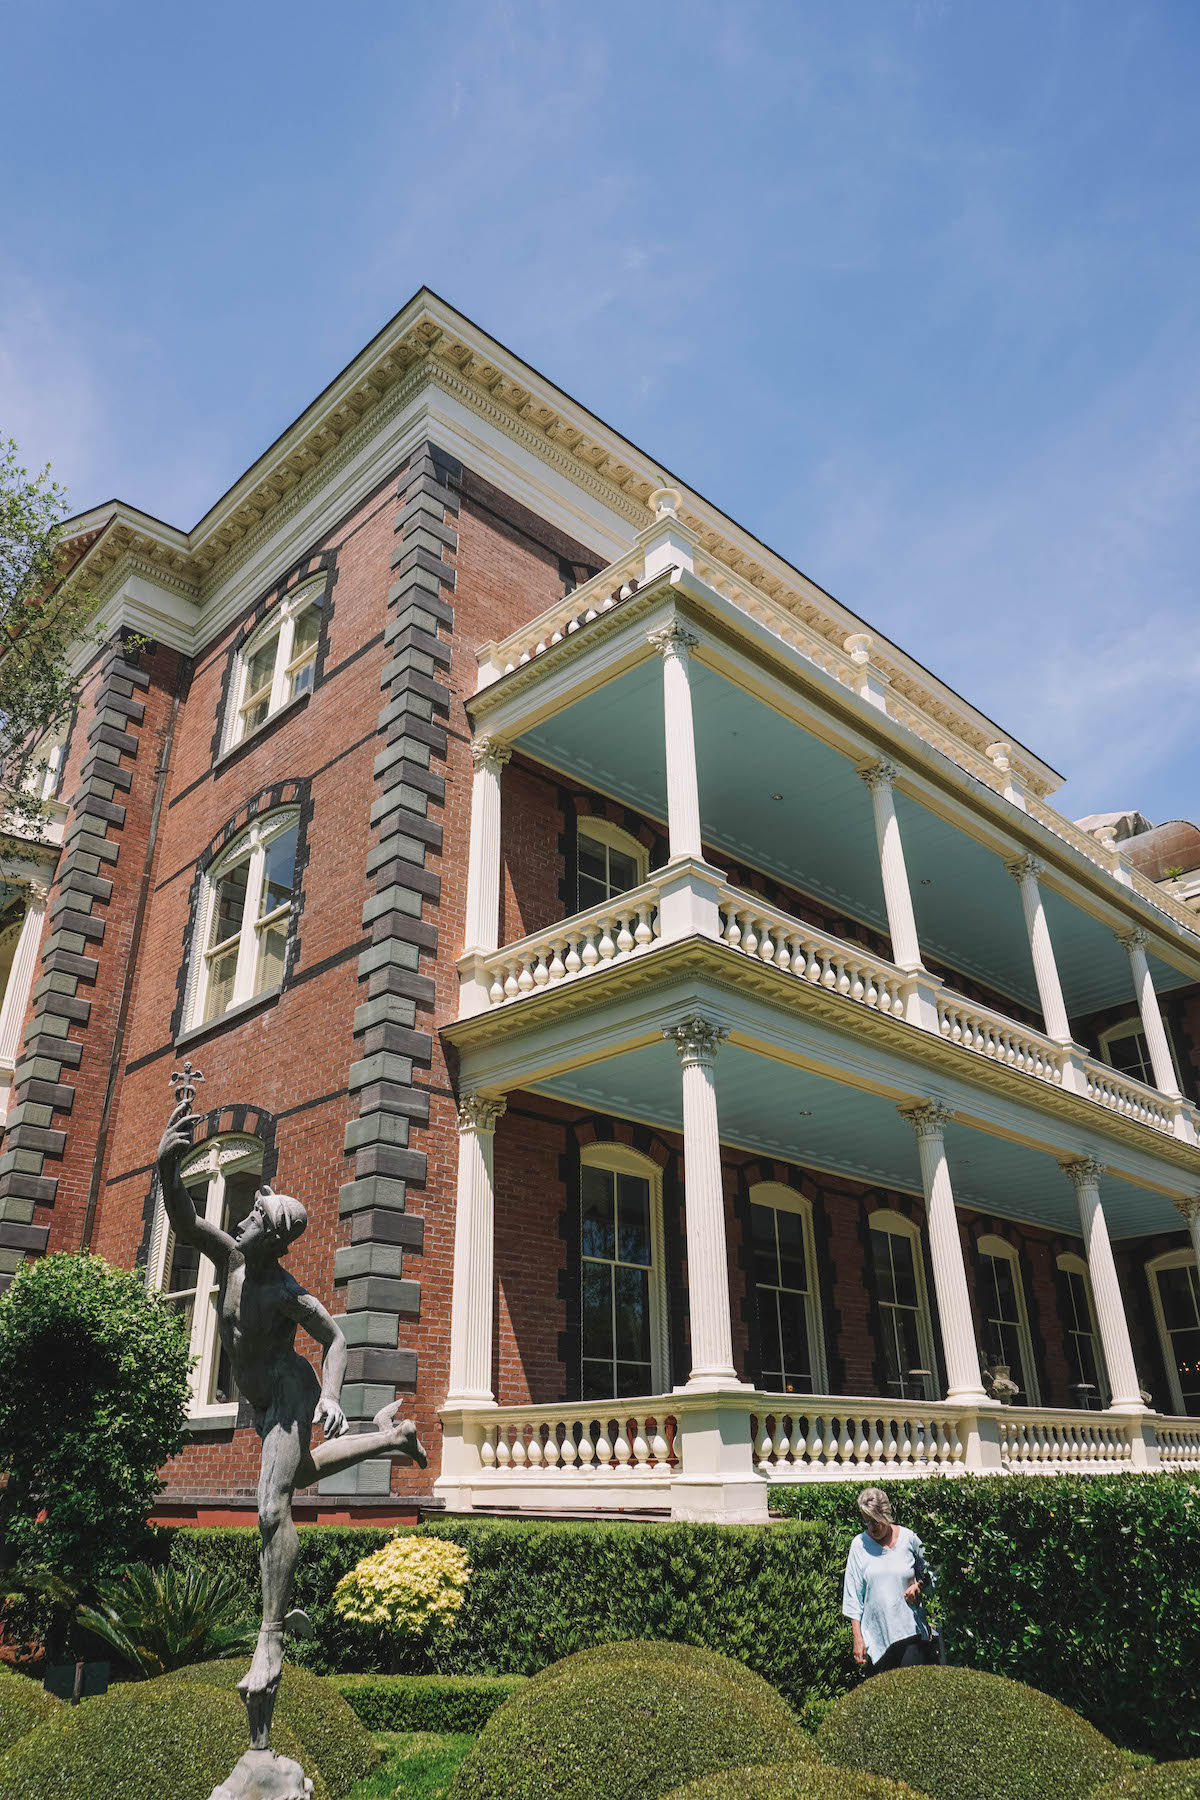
(409, 1589)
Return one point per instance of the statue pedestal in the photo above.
(264, 1775)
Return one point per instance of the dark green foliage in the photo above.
(445, 1703)
(145, 1741)
(93, 1396)
(768, 1596)
(794, 1781)
(957, 1734)
(1166, 1781)
(625, 1726)
(159, 1620)
(332, 1737)
(23, 1704)
(1088, 1589)
(685, 1659)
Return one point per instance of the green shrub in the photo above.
(444, 1703)
(1165, 1781)
(794, 1781)
(330, 1733)
(625, 1725)
(956, 1734)
(159, 1620)
(143, 1741)
(685, 1658)
(1062, 1582)
(406, 1595)
(23, 1704)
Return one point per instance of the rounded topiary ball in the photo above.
(142, 1741)
(630, 1724)
(332, 1737)
(794, 1781)
(958, 1734)
(23, 1704)
(1165, 1781)
(683, 1657)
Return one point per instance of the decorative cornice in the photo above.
(928, 1118)
(1021, 866)
(489, 753)
(480, 1112)
(696, 1039)
(673, 639)
(1082, 1171)
(879, 774)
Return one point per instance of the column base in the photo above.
(714, 1381)
(720, 1502)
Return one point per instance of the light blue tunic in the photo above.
(873, 1591)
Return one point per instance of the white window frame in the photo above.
(991, 1245)
(254, 841)
(887, 1219)
(1171, 1259)
(785, 1199)
(1133, 1027)
(1071, 1264)
(281, 624)
(621, 1160)
(611, 837)
(210, 1163)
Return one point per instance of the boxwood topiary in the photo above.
(686, 1658)
(957, 1734)
(794, 1781)
(1166, 1781)
(333, 1738)
(143, 1741)
(442, 1703)
(23, 1704)
(629, 1724)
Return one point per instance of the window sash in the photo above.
(251, 935)
(286, 667)
(212, 1179)
(613, 1363)
(900, 1345)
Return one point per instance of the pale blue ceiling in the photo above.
(819, 835)
(808, 1119)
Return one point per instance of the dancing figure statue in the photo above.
(260, 1304)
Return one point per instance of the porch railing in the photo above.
(611, 933)
(1002, 1040)
(770, 936)
(1179, 1443)
(1131, 1099)
(1033, 1441)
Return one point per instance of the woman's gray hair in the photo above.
(874, 1504)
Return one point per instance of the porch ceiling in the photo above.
(819, 834)
(807, 1119)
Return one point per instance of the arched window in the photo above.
(1125, 1049)
(243, 915)
(222, 1175)
(786, 1291)
(277, 663)
(1001, 1297)
(1089, 1384)
(623, 1307)
(1175, 1291)
(609, 861)
(903, 1306)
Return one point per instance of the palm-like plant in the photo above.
(157, 1621)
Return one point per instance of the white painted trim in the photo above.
(781, 1198)
(887, 1219)
(990, 1244)
(612, 837)
(623, 1160)
(251, 844)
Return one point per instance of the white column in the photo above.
(482, 931)
(929, 1119)
(897, 895)
(697, 1041)
(673, 643)
(474, 1254)
(1025, 871)
(21, 974)
(1190, 1209)
(1084, 1172)
(1152, 1023)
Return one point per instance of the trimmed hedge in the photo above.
(685, 1659)
(23, 1704)
(794, 1781)
(957, 1734)
(768, 1596)
(445, 1703)
(142, 1741)
(332, 1737)
(1085, 1587)
(1166, 1781)
(625, 1725)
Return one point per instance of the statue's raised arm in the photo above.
(180, 1207)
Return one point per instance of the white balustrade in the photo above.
(1034, 1442)
(772, 937)
(1131, 1099)
(589, 1442)
(839, 1439)
(612, 933)
(1178, 1443)
(1002, 1040)
(617, 582)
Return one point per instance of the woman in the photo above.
(881, 1595)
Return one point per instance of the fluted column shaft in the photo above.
(897, 895)
(22, 971)
(697, 1041)
(1165, 1079)
(1025, 871)
(959, 1347)
(673, 643)
(1084, 1173)
(482, 928)
(474, 1254)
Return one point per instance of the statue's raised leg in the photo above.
(390, 1437)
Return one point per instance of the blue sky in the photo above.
(909, 287)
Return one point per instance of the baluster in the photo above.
(847, 1440)
(641, 1451)
(828, 972)
(783, 1447)
(893, 1448)
(621, 1448)
(525, 978)
(587, 1449)
(607, 948)
(733, 931)
(763, 1448)
(906, 1441)
(843, 980)
(872, 994)
(659, 1448)
(487, 1451)
(624, 935)
(518, 1451)
(644, 932)
(496, 991)
(814, 964)
(766, 948)
(557, 967)
(801, 1448)
(503, 1452)
(553, 1448)
(877, 1441)
(541, 973)
(816, 1444)
(574, 961)
(749, 934)
(863, 1448)
(591, 956)
(604, 1447)
(511, 988)
(533, 1449)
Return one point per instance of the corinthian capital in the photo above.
(38, 891)
(480, 1112)
(673, 639)
(928, 1118)
(1189, 1207)
(879, 774)
(1021, 866)
(1082, 1171)
(1133, 939)
(489, 753)
(697, 1040)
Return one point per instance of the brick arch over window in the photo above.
(243, 1118)
(576, 805)
(301, 573)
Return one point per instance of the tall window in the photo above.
(787, 1298)
(244, 911)
(1089, 1380)
(610, 862)
(1175, 1288)
(1006, 1336)
(278, 662)
(222, 1176)
(903, 1306)
(623, 1307)
(1125, 1049)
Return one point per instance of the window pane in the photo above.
(1130, 1054)
(792, 1268)
(1077, 1300)
(762, 1237)
(279, 871)
(797, 1361)
(1006, 1293)
(1185, 1346)
(768, 1337)
(632, 1292)
(230, 904)
(306, 631)
(301, 679)
(221, 971)
(272, 953)
(597, 1234)
(622, 872)
(184, 1266)
(633, 1378)
(597, 1380)
(597, 1311)
(633, 1237)
(591, 864)
(183, 1309)
(253, 716)
(1178, 1293)
(904, 1271)
(261, 667)
(239, 1198)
